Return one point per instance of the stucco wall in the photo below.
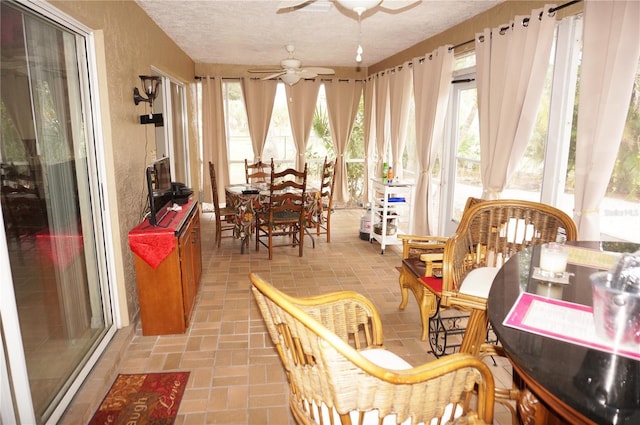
(129, 44)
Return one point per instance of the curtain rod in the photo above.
(524, 22)
(198, 77)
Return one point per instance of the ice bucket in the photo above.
(616, 311)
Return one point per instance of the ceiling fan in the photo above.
(358, 6)
(292, 70)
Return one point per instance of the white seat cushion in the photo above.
(385, 359)
(478, 282)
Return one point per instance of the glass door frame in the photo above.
(448, 224)
(18, 403)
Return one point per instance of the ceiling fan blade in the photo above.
(287, 6)
(306, 73)
(277, 74)
(398, 6)
(262, 71)
(319, 70)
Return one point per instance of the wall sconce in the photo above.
(150, 84)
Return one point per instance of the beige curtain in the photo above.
(611, 47)
(214, 136)
(302, 98)
(400, 82)
(431, 84)
(258, 100)
(368, 133)
(511, 65)
(382, 120)
(343, 98)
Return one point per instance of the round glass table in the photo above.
(563, 381)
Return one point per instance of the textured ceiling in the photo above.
(244, 32)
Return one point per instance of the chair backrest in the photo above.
(258, 172)
(327, 182)
(492, 231)
(214, 189)
(287, 194)
(332, 382)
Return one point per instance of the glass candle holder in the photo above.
(553, 257)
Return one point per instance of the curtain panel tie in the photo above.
(586, 212)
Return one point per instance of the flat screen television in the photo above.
(159, 187)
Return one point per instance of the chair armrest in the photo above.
(429, 260)
(414, 243)
(348, 314)
(466, 372)
(422, 238)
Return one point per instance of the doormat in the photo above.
(145, 399)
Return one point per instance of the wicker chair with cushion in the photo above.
(338, 372)
(413, 268)
(488, 234)
(225, 217)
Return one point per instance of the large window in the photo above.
(546, 172)
(280, 145)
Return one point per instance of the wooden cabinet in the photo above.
(167, 291)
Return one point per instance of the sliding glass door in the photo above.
(50, 211)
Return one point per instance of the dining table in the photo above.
(248, 200)
(565, 372)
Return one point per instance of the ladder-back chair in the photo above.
(258, 172)
(225, 217)
(325, 200)
(284, 213)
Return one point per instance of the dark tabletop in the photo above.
(603, 387)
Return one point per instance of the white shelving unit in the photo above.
(390, 211)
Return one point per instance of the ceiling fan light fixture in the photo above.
(359, 6)
(289, 78)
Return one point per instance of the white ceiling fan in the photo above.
(358, 6)
(292, 70)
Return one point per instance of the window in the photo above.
(279, 144)
(237, 129)
(546, 172)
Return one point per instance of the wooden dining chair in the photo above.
(338, 371)
(325, 201)
(225, 217)
(284, 213)
(258, 172)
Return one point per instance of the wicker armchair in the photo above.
(415, 250)
(488, 234)
(338, 371)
